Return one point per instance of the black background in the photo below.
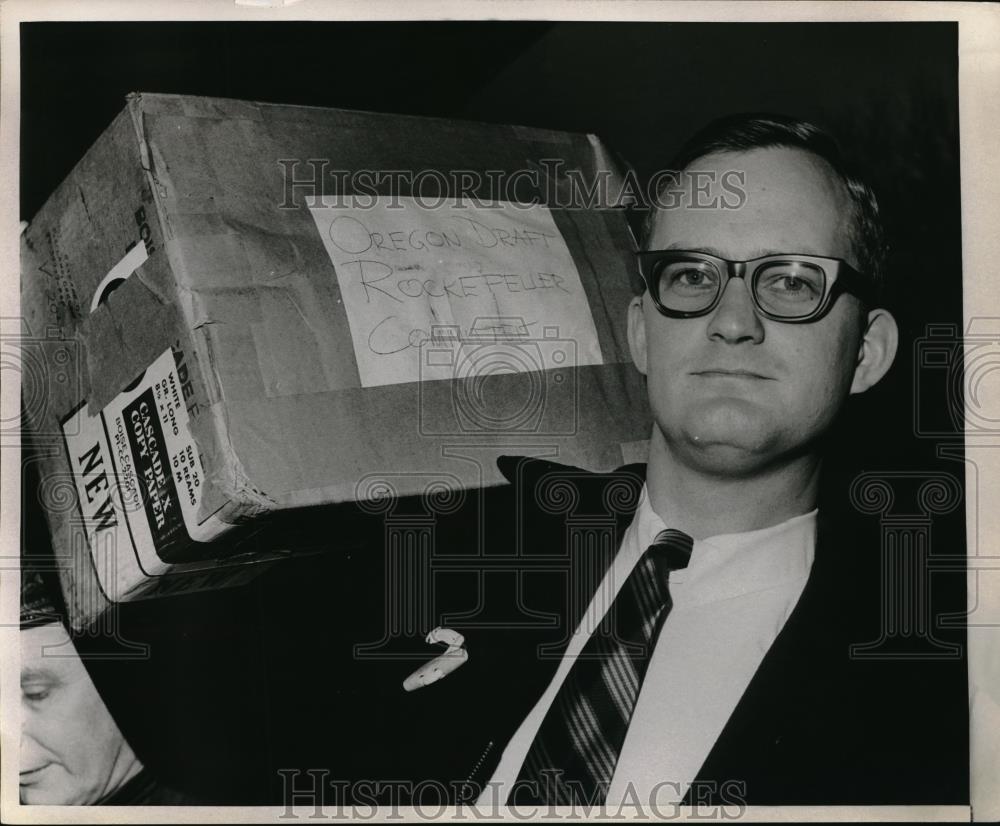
(242, 677)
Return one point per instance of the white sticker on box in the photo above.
(459, 275)
(137, 471)
(119, 272)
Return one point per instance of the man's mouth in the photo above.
(30, 776)
(718, 372)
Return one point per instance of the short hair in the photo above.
(749, 131)
(41, 594)
(41, 602)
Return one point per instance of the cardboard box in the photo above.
(266, 307)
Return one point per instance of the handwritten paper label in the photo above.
(456, 277)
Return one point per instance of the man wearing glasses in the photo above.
(708, 660)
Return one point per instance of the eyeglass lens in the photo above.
(789, 288)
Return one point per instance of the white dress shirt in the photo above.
(729, 605)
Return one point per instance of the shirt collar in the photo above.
(734, 564)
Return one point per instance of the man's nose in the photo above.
(735, 319)
(31, 750)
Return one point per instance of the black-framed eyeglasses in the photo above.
(793, 288)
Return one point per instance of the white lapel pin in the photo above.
(442, 665)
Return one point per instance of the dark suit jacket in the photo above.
(816, 725)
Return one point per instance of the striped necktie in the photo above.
(573, 756)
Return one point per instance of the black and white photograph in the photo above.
(516, 413)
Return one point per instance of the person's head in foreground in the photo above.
(72, 752)
(760, 314)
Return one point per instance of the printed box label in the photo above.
(137, 470)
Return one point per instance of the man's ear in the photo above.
(877, 351)
(637, 333)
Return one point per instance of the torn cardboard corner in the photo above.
(279, 344)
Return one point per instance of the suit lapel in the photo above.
(778, 737)
(568, 526)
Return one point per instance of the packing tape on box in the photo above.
(295, 329)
